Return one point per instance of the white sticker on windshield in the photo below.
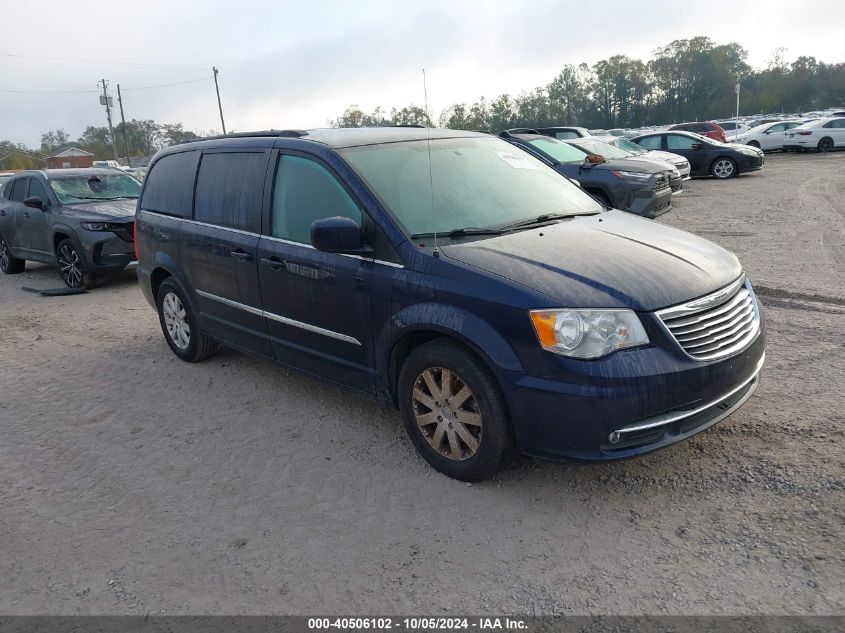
(517, 160)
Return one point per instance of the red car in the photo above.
(710, 130)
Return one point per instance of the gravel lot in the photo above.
(131, 482)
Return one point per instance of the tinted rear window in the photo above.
(229, 190)
(17, 190)
(170, 185)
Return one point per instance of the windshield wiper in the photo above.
(469, 230)
(540, 219)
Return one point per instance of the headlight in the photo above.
(587, 333)
(93, 226)
(632, 175)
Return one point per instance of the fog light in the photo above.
(615, 437)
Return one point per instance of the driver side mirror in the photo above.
(34, 202)
(338, 235)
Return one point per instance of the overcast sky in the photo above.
(298, 64)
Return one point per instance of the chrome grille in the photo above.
(718, 325)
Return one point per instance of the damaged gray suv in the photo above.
(80, 219)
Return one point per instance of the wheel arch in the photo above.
(422, 323)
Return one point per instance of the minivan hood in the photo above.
(106, 208)
(608, 260)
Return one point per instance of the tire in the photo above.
(8, 264)
(825, 144)
(179, 324)
(753, 144)
(474, 449)
(723, 168)
(71, 266)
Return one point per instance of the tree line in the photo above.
(144, 138)
(686, 80)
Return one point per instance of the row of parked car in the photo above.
(461, 277)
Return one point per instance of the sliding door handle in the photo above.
(273, 262)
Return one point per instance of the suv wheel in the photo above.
(8, 264)
(179, 324)
(454, 412)
(70, 267)
(723, 168)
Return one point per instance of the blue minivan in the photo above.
(456, 277)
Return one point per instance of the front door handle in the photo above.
(273, 262)
(241, 256)
(2, 212)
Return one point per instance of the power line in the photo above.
(79, 92)
(98, 61)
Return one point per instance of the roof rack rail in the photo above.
(408, 125)
(262, 133)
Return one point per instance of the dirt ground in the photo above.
(131, 482)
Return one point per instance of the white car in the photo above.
(823, 135)
(678, 162)
(767, 137)
(732, 128)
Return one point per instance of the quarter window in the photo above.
(169, 186)
(229, 190)
(305, 192)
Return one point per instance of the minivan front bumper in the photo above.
(630, 403)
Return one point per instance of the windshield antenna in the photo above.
(430, 174)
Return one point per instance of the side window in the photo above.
(17, 190)
(791, 125)
(780, 127)
(728, 125)
(229, 190)
(37, 189)
(676, 141)
(169, 186)
(566, 134)
(304, 192)
(650, 142)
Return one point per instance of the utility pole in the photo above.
(107, 101)
(219, 104)
(123, 122)
(737, 97)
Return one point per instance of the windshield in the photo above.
(77, 189)
(559, 151)
(477, 182)
(602, 149)
(628, 146)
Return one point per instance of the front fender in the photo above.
(464, 326)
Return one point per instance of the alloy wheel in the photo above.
(4, 255)
(825, 145)
(70, 266)
(447, 413)
(176, 321)
(723, 168)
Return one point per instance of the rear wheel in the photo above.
(825, 145)
(179, 324)
(71, 267)
(8, 264)
(754, 144)
(723, 168)
(454, 412)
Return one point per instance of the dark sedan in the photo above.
(631, 185)
(706, 156)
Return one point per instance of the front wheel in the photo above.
(825, 145)
(179, 324)
(754, 144)
(723, 168)
(8, 264)
(454, 412)
(70, 267)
